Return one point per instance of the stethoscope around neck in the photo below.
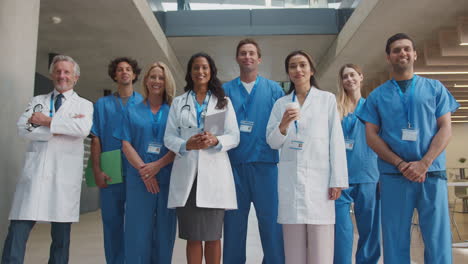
(186, 108)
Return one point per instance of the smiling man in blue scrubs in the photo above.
(253, 161)
(108, 113)
(408, 126)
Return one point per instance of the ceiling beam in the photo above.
(450, 43)
(462, 29)
(433, 57)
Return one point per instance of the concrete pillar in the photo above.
(19, 21)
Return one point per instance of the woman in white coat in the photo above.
(305, 125)
(202, 184)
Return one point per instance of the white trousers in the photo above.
(308, 244)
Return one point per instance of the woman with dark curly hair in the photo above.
(202, 184)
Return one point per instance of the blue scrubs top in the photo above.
(385, 108)
(362, 160)
(254, 107)
(141, 127)
(108, 113)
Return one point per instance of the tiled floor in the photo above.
(86, 244)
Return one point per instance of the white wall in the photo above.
(19, 21)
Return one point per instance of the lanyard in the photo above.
(51, 111)
(350, 120)
(247, 102)
(52, 104)
(156, 119)
(407, 102)
(201, 109)
(293, 100)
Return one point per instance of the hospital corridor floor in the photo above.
(87, 242)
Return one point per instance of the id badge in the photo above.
(296, 144)
(349, 144)
(154, 148)
(409, 134)
(246, 126)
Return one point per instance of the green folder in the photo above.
(111, 164)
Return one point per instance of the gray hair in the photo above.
(58, 58)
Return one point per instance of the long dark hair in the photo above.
(313, 81)
(214, 84)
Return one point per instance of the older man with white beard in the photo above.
(50, 184)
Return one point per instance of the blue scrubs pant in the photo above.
(150, 227)
(367, 213)
(113, 210)
(400, 197)
(257, 183)
(18, 234)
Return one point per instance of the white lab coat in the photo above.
(215, 181)
(305, 176)
(50, 184)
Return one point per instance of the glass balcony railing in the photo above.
(174, 5)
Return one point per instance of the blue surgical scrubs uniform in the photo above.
(150, 227)
(363, 178)
(254, 166)
(107, 117)
(418, 108)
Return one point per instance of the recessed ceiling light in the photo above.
(459, 116)
(459, 121)
(464, 44)
(56, 20)
(462, 101)
(460, 85)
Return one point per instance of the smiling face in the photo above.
(402, 55)
(248, 57)
(200, 72)
(156, 82)
(351, 80)
(299, 70)
(124, 74)
(63, 76)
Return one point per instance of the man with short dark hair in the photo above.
(50, 185)
(254, 163)
(408, 126)
(108, 112)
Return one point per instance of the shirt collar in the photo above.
(66, 95)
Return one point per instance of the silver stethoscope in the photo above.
(37, 109)
(186, 108)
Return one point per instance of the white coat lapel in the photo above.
(311, 97)
(64, 108)
(212, 105)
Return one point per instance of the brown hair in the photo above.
(312, 80)
(248, 41)
(115, 62)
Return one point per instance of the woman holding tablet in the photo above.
(202, 184)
